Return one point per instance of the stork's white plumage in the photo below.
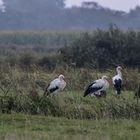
(97, 87)
(56, 85)
(117, 80)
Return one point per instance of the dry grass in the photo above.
(22, 91)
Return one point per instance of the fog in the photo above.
(53, 15)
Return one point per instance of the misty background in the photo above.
(54, 15)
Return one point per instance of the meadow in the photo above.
(26, 127)
(30, 60)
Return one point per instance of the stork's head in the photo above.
(119, 68)
(104, 77)
(61, 77)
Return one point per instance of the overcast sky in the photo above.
(124, 5)
(1, 2)
(2, 7)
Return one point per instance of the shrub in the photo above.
(26, 60)
(48, 62)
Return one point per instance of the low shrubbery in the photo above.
(103, 49)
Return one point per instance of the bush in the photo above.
(104, 48)
(26, 60)
(48, 62)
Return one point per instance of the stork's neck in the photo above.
(119, 73)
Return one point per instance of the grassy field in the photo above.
(25, 127)
(25, 114)
(30, 60)
(67, 115)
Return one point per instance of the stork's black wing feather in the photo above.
(53, 89)
(90, 89)
(118, 85)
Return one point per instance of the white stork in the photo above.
(97, 87)
(117, 80)
(56, 85)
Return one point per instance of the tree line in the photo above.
(53, 15)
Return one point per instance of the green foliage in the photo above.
(104, 49)
(26, 60)
(48, 62)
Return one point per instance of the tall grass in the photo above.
(22, 91)
(73, 106)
